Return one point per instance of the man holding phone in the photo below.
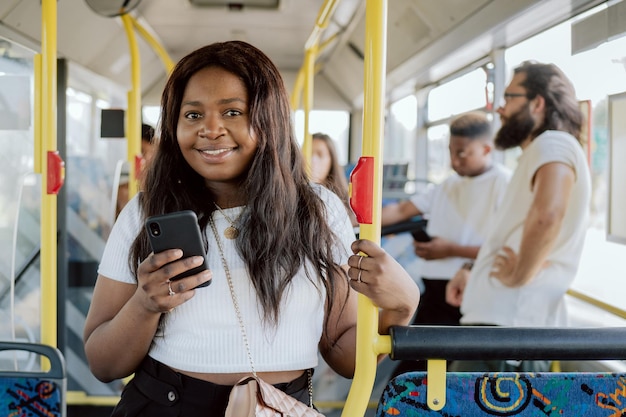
(459, 211)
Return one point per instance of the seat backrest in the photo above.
(509, 394)
(38, 393)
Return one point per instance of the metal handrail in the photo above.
(306, 74)
(133, 122)
(597, 303)
(46, 143)
(30, 260)
(370, 344)
(133, 134)
(168, 63)
(499, 343)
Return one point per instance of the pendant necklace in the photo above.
(231, 232)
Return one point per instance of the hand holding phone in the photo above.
(421, 235)
(178, 230)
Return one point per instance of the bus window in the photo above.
(438, 155)
(465, 93)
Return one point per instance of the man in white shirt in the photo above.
(459, 211)
(531, 254)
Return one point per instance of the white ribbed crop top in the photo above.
(203, 334)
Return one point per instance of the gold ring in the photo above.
(360, 260)
(359, 277)
(169, 287)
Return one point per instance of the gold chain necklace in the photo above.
(231, 232)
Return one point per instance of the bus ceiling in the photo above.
(434, 37)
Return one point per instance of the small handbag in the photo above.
(251, 396)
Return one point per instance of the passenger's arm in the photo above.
(123, 318)
(552, 188)
(440, 248)
(389, 287)
(338, 343)
(118, 330)
(398, 212)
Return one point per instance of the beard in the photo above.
(515, 129)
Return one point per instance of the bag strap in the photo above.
(242, 327)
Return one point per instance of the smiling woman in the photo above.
(213, 132)
(280, 252)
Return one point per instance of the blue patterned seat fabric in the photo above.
(30, 397)
(509, 394)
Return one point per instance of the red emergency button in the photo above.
(362, 189)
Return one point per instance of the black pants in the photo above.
(157, 390)
(433, 310)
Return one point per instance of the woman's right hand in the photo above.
(380, 277)
(120, 309)
(156, 290)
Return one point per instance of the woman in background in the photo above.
(326, 170)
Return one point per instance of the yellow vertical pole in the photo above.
(48, 132)
(309, 75)
(297, 87)
(311, 49)
(133, 119)
(368, 342)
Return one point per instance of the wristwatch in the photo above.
(468, 265)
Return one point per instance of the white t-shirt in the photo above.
(539, 302)
(461, 209)
(203, 334)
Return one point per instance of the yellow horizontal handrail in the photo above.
(597, 303)
(156, 46)
(82, 398)
(327, 42)
(321, 22)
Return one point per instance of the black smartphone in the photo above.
(421, 236)
(178, 230)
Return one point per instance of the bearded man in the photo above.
(531, 255)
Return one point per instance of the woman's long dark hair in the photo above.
(284, 223)
(562, 109)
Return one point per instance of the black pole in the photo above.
(501, 343)
(62, 258)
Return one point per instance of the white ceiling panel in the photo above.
(425, 37)
(6, 6)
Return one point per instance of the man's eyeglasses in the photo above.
(508, 96)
